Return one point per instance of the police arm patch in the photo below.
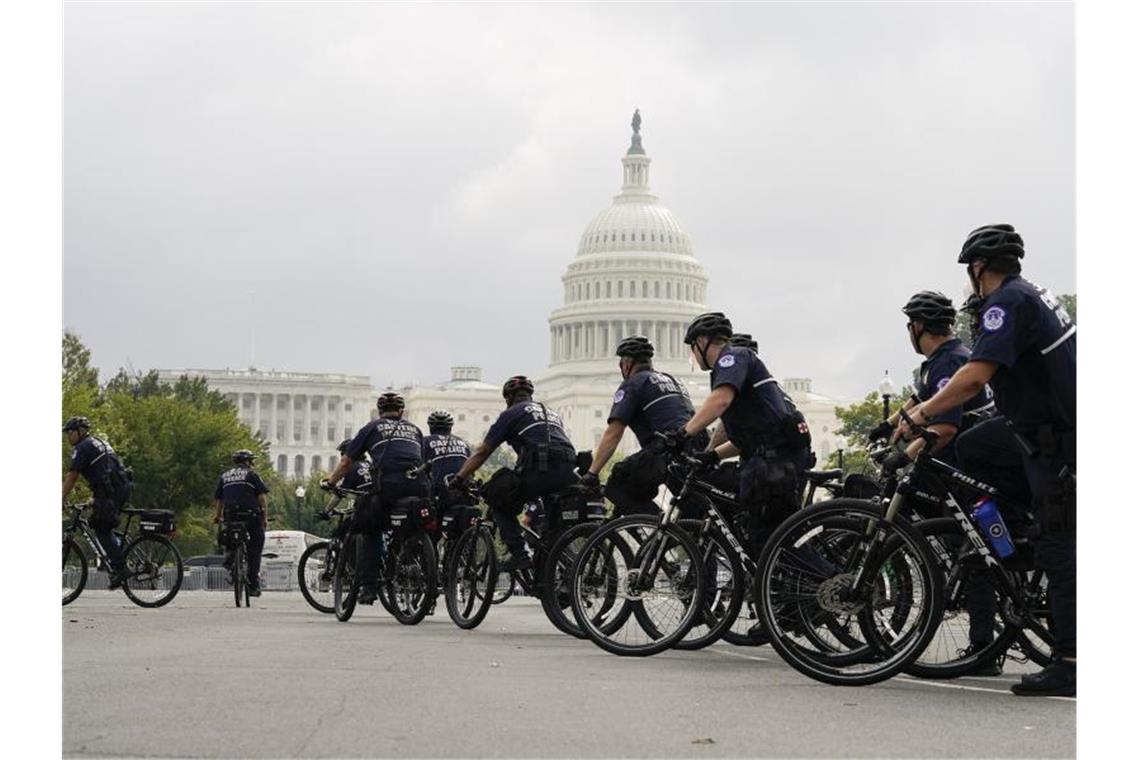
(942, 383)
(619, 396)
(993, 319)
(726, 361)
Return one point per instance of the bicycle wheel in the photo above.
(74, 570)
(472, 569)
(237, 573)
(557, 575)
(345, 588)
(656, 569)
(154, 570)
(741, 633)
(804, 588)
(504, 587)
(966, 579)
(314, 576)
(1037, 645)
(409, 581)
(724, 588)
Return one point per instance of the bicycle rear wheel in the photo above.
(809, 605)
(557, 576)
(655, 570)
(74, 570)
(345, 587)
(472, 569)
(154, 570)
(724, 587)
(741, 633)
(410, 581)
(314, 576)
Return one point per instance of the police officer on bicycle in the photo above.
(649, 402)
(396, 448)
(758, 421)
(240, 497)
(444, 454)
(546, 461)
(1026, 350)
(110, 483)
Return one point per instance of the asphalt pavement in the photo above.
(200, 678)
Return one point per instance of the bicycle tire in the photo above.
(557, 575)
(154, 570)
(680, 572)
(738, 633)
(410, 581)
(238, 573)
(74, 570)
(720, 609)
(785, 583)
(312, 572)
(472, 560)
(1033, 645)
(345, 588)
(504, 592)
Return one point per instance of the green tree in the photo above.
(856, 422)
(1069, 301)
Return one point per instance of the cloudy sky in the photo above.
(390, 190)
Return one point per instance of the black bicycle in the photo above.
(233, 535)
(153, 564)
(318, 563)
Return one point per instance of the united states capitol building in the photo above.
(634, 274)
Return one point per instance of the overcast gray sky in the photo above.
(389, 190)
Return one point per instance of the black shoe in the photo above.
(366, 596)
(984, 668)
(516, 562)
(255, 589)
(1058, 679)
(117, 579)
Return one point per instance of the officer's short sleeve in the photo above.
(259, 486)
(1003, 334)
(730, 369)
(500, 430)
(625, 404)
(78, 460)
(939, 377)
(358, 446)
(218, 490)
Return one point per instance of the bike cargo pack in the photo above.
(157, 521)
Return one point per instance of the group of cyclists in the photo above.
(1003, 411)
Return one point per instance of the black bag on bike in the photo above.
(859, 486)
(459, 518)
(502, 489)
(157, 521)
(413, 511)
(232, 533)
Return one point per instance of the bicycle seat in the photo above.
(408, 504)
(822, 476)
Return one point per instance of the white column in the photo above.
(256, 412)
(324, 430)
(600, 346)
(291, 420)
(308, 419)
(273, 419)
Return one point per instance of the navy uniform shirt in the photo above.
(95, 460)
(395, 446)
(445, 454)
(240, 487)
(649, 402)
(1032, 339)
(936, 372)
(524, 426)
(755, 414)
(359, 477)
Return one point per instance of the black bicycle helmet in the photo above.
(390, 402)
(992, 241)
(440, 419)
(931, 307)
(743, 340)
(76, 423)
(243, 456)
(635, 347)
(517, 384)
(714, 324)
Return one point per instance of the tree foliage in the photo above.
(856, 422)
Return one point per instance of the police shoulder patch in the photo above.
(619, 396)
(726, 361)
(993, 319)
(943, 383)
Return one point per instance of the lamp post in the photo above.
(300, 494)
(886, 390)
(840, 450)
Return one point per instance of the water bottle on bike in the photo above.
(988, 516)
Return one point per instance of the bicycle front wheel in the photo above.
(344, 584)
(154, 571)
(557, 574)
(314, 576)
(724, 589)
(410, 582)
(469, 584)
(74, 570)
(238, 573)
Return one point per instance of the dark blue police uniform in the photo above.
(238, 489)
(771, 434)
(396, 446)
(647, 402)
(444, 454)
(545, 464)
(99, 465)
(1027, 333)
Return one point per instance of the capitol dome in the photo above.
(634, 274)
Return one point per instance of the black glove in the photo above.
(453, 482)
(881, 431)
(896, 461)
(590, 480)
(675, 440)
(326, 485)
(708, 459)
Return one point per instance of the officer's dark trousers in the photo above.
(765, 516)
(532, 485)
(104, 521)
(255, 544)
(371, 521)
(1055, 553)
(634, 483)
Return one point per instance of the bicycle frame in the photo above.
(80, 525)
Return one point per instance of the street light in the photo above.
(840, 450)
(300, 494)
(886, 390)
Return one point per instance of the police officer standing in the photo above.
(649, 402)
(1026, 350)
(396, 448)
(240, 497)
(545, 463)
(758, 421)
(110, 484)
(444, 454)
